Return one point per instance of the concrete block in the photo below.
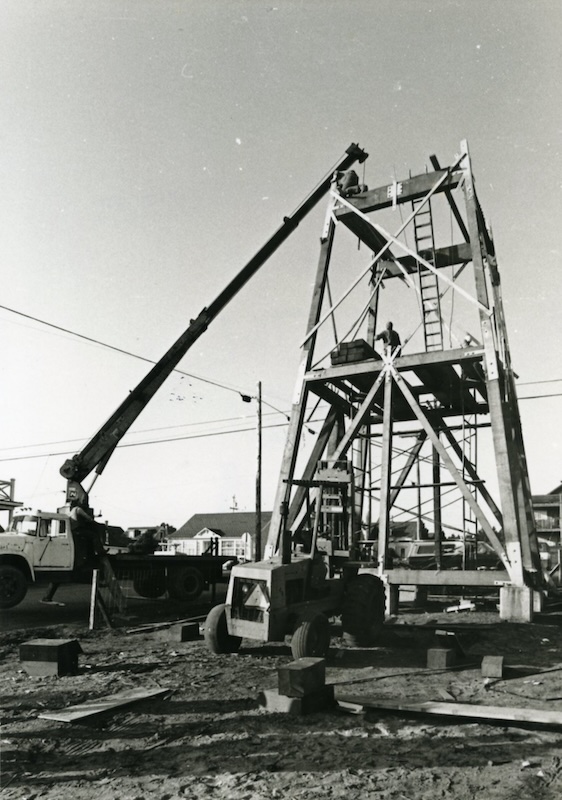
(40, 657)
(440, 657)
(301, 677)
(392, 598)
(492, 667)
(516, 603)
(186, 632)
(321, 700)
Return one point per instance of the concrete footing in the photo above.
(492, 667)
(320, 700)
(517, 603)
(41, 657)
(392, 596)
(441, 657)
(187, 632)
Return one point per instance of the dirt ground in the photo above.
(210, 738)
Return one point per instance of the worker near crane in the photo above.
(390, 339)
(88, 539)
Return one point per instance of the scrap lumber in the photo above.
(102, 704)
(148, 627)
(533, 716)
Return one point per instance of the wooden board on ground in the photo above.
(465, 710)
(102, 704)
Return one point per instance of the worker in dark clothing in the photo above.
(88, 543)
(390, 339)
(48, 598)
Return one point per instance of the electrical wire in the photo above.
(121, 350)
(153, 441)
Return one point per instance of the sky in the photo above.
(150, 147)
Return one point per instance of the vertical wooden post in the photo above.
(494, 374)
(279, 536)
(437, 525)
(386, 472)
(93, 595)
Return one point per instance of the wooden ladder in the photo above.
(429, 285)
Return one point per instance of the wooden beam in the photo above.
(455, 474)
(454, 208)
(102, 704)
(411, 189)
(472, 474)
(403, 362)
(324, 392)
(412, 456)
(277, 531)
(386, 472)
(501, 714)
(400, 576)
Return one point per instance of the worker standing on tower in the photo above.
(390, 338)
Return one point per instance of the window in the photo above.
(26, 524)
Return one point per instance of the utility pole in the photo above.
(258, 547)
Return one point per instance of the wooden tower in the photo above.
(431, 428)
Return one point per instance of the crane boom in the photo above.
(97, 452)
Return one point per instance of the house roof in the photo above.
(232, 525)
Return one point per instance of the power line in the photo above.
(153, 441)
(137, 433)
(540, 396)
(126, 352)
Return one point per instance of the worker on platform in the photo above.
(390, 339)
(347, 183)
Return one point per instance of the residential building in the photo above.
(226, 534)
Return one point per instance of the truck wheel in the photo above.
(13, 586)
(217, 637)
(151, 586)
(185, 583)
(311, 637)
(363, 610)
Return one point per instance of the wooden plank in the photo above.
(102, 704)
(446, 577)
(464, 710)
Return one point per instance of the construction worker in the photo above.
(88, 543)
(390, 339)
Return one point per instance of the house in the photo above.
(226, 534)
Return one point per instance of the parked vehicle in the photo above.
(454, 555)
(42, 546)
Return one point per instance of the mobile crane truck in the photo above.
(43, 545)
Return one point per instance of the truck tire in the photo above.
(185, 583)
(13, 586)
(150, 585)
(363, 610)
(217, 637)
(311, 637)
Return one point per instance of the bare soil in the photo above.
(212, 739)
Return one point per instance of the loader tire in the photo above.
(217, 637)
(311, 637)
(185, 583)
(13, 586)
(363, 610)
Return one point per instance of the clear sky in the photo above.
(150, 147)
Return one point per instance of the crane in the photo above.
(95, 455)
